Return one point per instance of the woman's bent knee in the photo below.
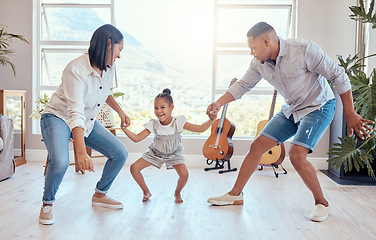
(121, 155)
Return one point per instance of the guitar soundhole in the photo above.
(270, 152)
(221, 152)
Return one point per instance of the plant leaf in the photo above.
(347, 153)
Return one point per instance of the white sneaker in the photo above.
(227, 199)
(45, 216)
(320, 213)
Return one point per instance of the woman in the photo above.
(71, 113)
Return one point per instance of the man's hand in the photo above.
(213, 109)
(212, 116)
(357, 124)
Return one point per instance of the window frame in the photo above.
(40, 47)
(238, 48)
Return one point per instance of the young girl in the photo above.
(166, 146)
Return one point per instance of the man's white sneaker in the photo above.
(320, 213)
(227, 199)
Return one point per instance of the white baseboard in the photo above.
(191, 160)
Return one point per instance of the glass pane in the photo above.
(168, 49)
(78, 1)
(244, 2)
(248, 111)
(53, 64)
(230, 66)
(234, 23)
(72, 24)
(14, 111)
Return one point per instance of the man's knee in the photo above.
(261, 145)
(298, 155)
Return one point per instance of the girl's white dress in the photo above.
(166, 146)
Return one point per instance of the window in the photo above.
(64, 31)
(193, 47)
(231, 56)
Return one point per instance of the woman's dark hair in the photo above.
(166, 94)
(258, 29)
(98, 48)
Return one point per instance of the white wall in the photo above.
(324, 22)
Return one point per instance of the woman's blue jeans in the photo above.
(56, 135)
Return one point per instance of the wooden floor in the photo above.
(275, 208)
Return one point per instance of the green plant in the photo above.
(5, 39)
(352, 152)
(41, 103)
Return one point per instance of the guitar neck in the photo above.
(223, 116)
(271, 113)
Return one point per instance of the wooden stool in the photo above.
(88, 150)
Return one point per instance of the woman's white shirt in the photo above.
(81, 94)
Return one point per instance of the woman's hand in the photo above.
(85, 162)
(125, 120)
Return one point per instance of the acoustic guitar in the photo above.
(276, 155)
(219, 144)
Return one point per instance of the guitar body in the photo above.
(275, 155)
(219, 145)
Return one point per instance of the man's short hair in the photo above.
(258, 29)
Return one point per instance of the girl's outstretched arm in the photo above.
(198, 128)
(136, 137)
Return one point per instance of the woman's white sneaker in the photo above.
(106, 202)
(227, 199)
(45, 216)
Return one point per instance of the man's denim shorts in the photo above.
(308, 131)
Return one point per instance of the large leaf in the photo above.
(351, 64)
(364, 94)
(347, 153)
(4, 61)
(360, 14)
(5, 39)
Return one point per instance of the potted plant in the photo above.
(352, 152)
(41, 102)
(5, 39)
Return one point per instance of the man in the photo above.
(298, 70)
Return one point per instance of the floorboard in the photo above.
(275, 208)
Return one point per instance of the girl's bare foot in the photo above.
(146, 196)
(178, 198)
